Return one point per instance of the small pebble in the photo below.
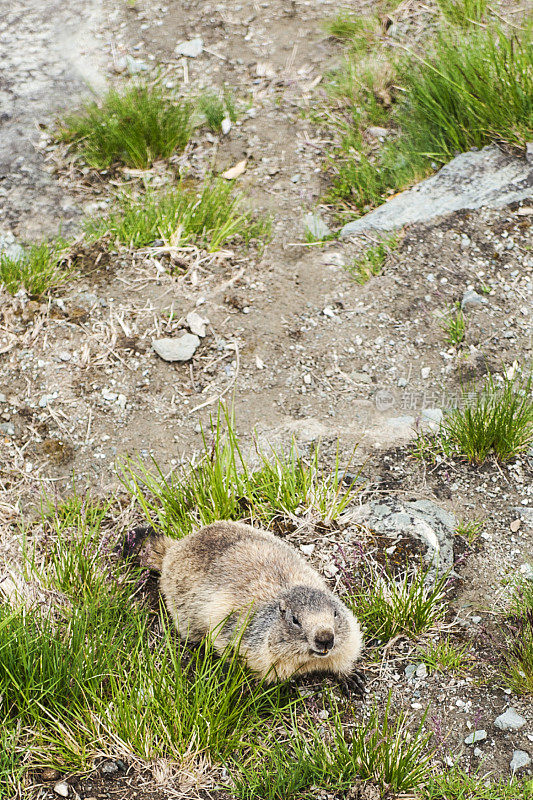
(61, 788)
(477, 736)
(519, 760)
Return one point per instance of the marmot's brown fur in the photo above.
(229, 576)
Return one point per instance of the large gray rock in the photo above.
(429, 525)
(478, 178)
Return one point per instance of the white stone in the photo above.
(196, 324)
(510, 720)
(61, 788)
(477, 736)
(181, 349)
(190, 48)
(307, 549)
(520, 760)
(226, 125)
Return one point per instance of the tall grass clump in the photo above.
(39, 269)
(496, 421)
(470, 90)
(209, 218)
(135, 127)
(222, 485)
(335, 756)
(468, 87)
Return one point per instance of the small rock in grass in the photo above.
(519, 760)
(477, 736)
(316, 226)
(61, 788)
(425, 372)
(225, 125)
(510, 720)
(307, 549)
(191, 48)
(476, 620)
(9, 247)
(234, 172)
(109, 768)
(135, 65)
(421, 671)
(478, 752)
(377, 132)
(410, 671)
(8, 428)
(181, 349)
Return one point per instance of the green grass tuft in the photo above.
(456, 784)
(135, 127)
(518, 633)
(209, 218)
(388, 605)
(216, 108)
(38, 271)
(454, 325)
(497, 421)
(445, 656)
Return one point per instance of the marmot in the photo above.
(239, 582)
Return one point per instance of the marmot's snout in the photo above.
(324, 641)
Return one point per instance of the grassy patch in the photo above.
(454, 326)
(209, 218)
(134, 127)
(388, 605)
(466, 87)
(336, 757)
(11, 752)
(373, 260)
(38, 271)
(221, 485)
(445, 656)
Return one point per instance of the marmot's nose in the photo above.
(324, 639)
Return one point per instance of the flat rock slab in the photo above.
(422, 520)
(478, 178)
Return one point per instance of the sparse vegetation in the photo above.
(373, 260)
(456, 784)
(518, 633)
(134, 127)
(454, 326)
(221, 485)
(470, 530)
(208, 218)
(41, 269)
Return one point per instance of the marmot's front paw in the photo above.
(353, 684)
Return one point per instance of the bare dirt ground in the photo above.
(301, 348)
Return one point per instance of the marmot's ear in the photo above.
(282, 608)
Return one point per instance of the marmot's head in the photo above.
(310, 624)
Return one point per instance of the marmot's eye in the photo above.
(335, 613)
(296, 620)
